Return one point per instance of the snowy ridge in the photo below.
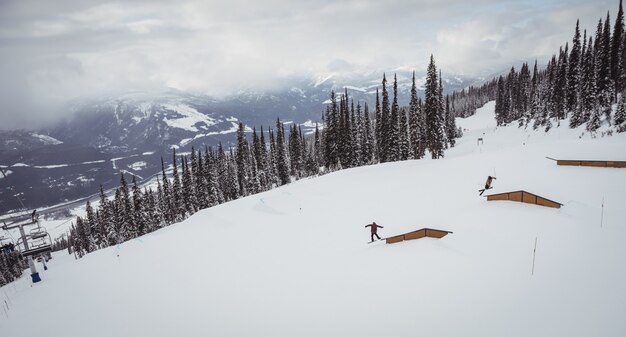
(294, 261)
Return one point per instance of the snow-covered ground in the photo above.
(294, 261)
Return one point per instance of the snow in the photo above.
(138, 166)
(51, 166)
(294, 261)
(190, 119)
(148, 153)
(47, 139)
(20, 165)
(6, 173)
(349, 87)
(92, 162)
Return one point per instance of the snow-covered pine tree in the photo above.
(620, 114)
(609, 94)
(200, 180)
(573, 72)
(127, 225)
(414, 127)
(357, 130)
(295, 152)
(177, 191)
(161, 206)
(282, 162)
(589, 94)
(242, 155)
(595, 119)
(432, 107)
(90, 227)
(579, 110)
(384, 123)
(378, 132)
(168, 205)
(603, 64)
(442, 111)
(196, 161)
(82, 238)
(500, 109)
(105, 219)
(559, 96)
(392, 126)
(214, 193)
(368, 137)
(450, 123)
(139, 222)
(272, 167)
(317, 147)
(617, 50)
(331, 151)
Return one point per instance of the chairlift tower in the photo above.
(33, 250)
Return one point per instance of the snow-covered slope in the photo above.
(294, 261)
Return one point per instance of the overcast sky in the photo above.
(52, 51)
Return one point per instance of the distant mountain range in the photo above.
(131, 132)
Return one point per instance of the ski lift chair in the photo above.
(38, 233)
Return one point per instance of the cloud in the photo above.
(53, 51)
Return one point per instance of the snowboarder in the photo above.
(487, 184)
(374, 228)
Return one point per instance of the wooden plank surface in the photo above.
(395, 239)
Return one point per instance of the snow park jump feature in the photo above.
(526, 197)
(590, 163)
(418, 234)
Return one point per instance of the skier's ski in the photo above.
(483, 190)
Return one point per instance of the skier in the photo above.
(487, 184)
(374, 228)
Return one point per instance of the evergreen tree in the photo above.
(414, 127)
(140, 223)
(403, 134)
(432, 107)
(617, 50)
(500, 109)
(331, 134)
(90, 227)
(177, 191)
(317, 148)
(589, 88)
(620, 115)
(357, 131)
(126, 212)
(368, 137)
(295, 150)
(168, 205)
(106, 216)
(451, 123)
(573, 75)
(603, 59)
(282, 163)
(393, 129)
(383, 155)
(242, 155)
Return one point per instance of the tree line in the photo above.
(582, 82)
(11, 265)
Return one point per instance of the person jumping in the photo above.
(374, 228)
(487, 184)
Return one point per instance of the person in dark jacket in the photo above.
(487, 184)
(374, 227)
